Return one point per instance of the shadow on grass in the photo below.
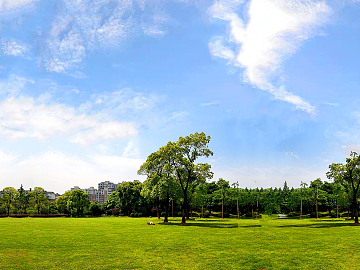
(319, 224)
(204, 224)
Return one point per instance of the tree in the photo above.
(187, 150)
(112, 202)
(95, 208)
(348, 174)
(129, 196)
(38, 198)
(23, 200)
(79, 200)
(159, 185)
(222, 192)
(62, 203)
(9, 197)
(302, 186)
(236, 185)
(177, 161)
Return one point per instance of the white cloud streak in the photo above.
(273, 31)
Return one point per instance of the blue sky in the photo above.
(88, 89)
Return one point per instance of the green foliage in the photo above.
(79, 200)
(130, 198)
(9, 197)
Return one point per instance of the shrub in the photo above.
(344, 214)
(313, 215)
(162, 214)
(333, 214)
(115, 212)
(293, 214)
(132, 214)
(206, 214)
(179, 214)
(226, 215)
(141, 214)
(249, 214)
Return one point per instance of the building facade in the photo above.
(101, 194)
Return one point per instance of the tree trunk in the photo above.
(355, 208)
(337, 209)
(222, 208)
(237, 207)
(166, 208)
(183, 219)
(301, 204)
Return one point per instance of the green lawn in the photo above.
(128, 243)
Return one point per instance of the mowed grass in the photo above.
(128, 243)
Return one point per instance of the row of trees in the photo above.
(21, 202)
(175, 181)
(35, 202)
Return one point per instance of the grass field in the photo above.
(128, 243)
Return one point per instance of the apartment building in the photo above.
(101, 194)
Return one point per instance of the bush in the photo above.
(115, 212)
(206, 214)
(333, 214)
(132, 214)
(344, 214)
(293, 214)
(249, 214)
(226, 215)
(179, 214)
(162, 214)
(19, 215)
(141, 214)
(313, 215)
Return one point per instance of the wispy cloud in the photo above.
(11, 47)
(292, 154)
(210, 103)
(272, 31)
(14, 4)
(13, 85)
(81, 27)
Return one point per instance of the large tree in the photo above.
(129, 196)
(38, 198)
(9, 197)
(177, 161)
(348, 174)
(79, 200)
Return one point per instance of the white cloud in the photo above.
(14, 4)
(12, 47)
(109, 131)
(59, 172)
(24, 117)
(274, 30)
(81, 27)
(210, 103)
(131, 150)
(292, 154)
(14, 85)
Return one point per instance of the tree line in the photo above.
(176, 185)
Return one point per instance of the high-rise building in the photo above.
(101, 194)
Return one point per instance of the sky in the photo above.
(90, 88)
